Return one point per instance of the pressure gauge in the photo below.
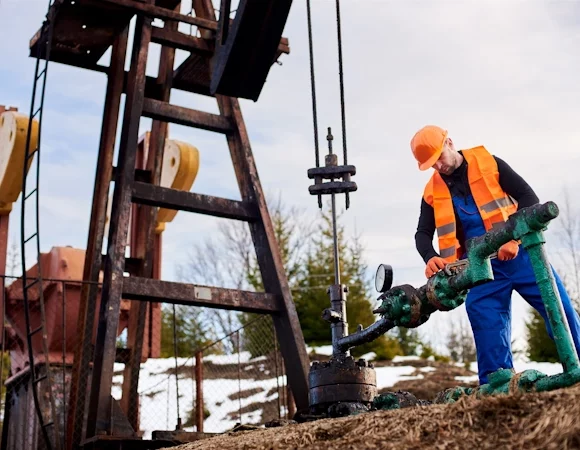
(384, 278)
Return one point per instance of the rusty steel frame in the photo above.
(268, 254)
(146, 289)
(143, 236)
(93, 255)
(138, 185)
(100, 402)
(240, 67)
(146, 194)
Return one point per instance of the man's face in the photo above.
(446, 162)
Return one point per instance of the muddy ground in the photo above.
(540, 420)
(440, 377)
(545, 420)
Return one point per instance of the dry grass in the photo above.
(543, 420)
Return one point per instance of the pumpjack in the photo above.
(231, 52)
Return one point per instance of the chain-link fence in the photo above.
(20, 422)
(237, 379)
(208, 386)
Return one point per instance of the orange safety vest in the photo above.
(495, 206)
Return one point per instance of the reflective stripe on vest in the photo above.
(494, 205)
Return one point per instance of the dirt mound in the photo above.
(439, 377)
(540, 420)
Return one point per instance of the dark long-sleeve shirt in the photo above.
(512, 183)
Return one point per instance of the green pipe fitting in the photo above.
(558, 381)
(533, 243)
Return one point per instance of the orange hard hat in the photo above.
(427, 145)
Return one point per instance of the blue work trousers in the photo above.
(489, 310)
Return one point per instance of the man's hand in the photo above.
(434, 265)
(508, 251)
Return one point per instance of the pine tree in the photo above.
(408, 339)
(292, 235)
(540, 346)
(311, 296)
(191, 335)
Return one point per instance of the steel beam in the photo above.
(164, 111)
(93, 256)
(175, 39)
(274, 278)
(244, 56)
(147, 289)
(143, 237)
(163, 197)
(152, 11)
(99, 418)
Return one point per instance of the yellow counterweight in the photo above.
(13, 129)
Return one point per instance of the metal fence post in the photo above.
(239, 376)
(199, 416)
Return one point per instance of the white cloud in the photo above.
(495, 73)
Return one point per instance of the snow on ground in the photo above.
(399, 358)
(388, 376)
(158, 402)
(321, 350)
(157, 388)
(519, 365)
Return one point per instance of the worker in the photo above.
(472, 191)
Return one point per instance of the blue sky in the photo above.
(502, 74)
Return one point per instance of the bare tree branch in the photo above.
(568, 232)
(228, 258)
(460, 342)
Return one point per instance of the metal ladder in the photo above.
(30, 197)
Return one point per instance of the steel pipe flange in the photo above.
(342, 380)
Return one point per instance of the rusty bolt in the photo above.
(331, 160)
(362, 363)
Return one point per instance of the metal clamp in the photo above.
(331, 172)
(339, 176)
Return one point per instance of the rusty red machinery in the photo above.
(62, 281)
(229, 59)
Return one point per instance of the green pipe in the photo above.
(527, 220)
(534, 244)
(558, 381)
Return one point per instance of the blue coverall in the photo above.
(489, 305)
